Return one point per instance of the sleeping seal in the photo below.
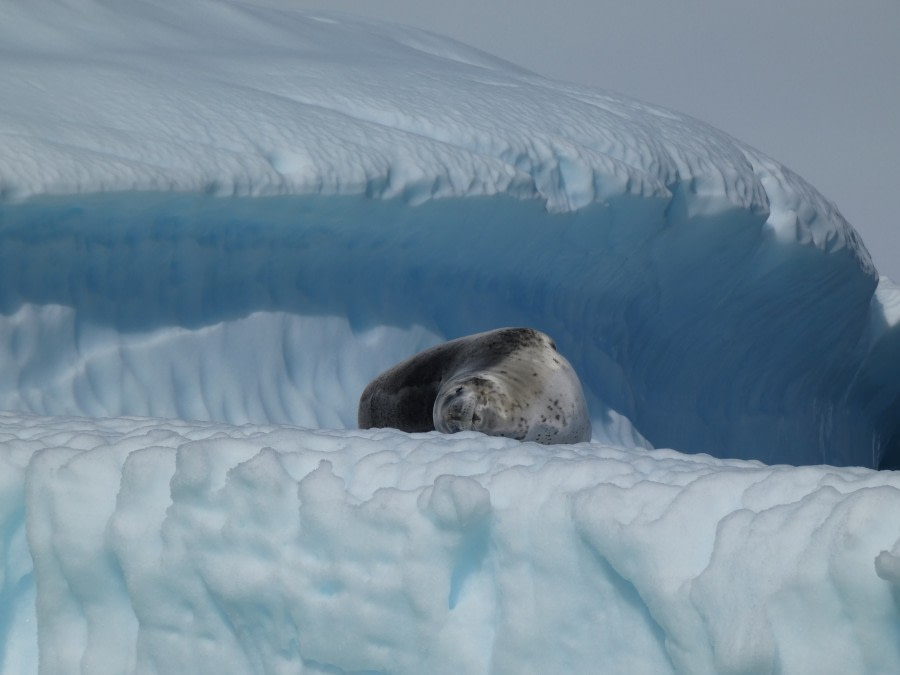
(507, 382)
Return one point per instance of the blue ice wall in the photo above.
(708, 334)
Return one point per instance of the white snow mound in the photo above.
(172, 547)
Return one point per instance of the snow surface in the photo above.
(238, 214)
(177, 547)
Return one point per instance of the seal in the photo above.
(509, 382)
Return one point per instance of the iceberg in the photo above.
(219, 220)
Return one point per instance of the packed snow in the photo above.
(219, 220)
(178, 547)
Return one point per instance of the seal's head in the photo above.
(473, 403)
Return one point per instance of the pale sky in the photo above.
(813, 83)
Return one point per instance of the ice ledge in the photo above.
(210, 548)
(234, 98)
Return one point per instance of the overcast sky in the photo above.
(813, 83)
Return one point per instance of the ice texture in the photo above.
(236, 214)
(174, 547)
